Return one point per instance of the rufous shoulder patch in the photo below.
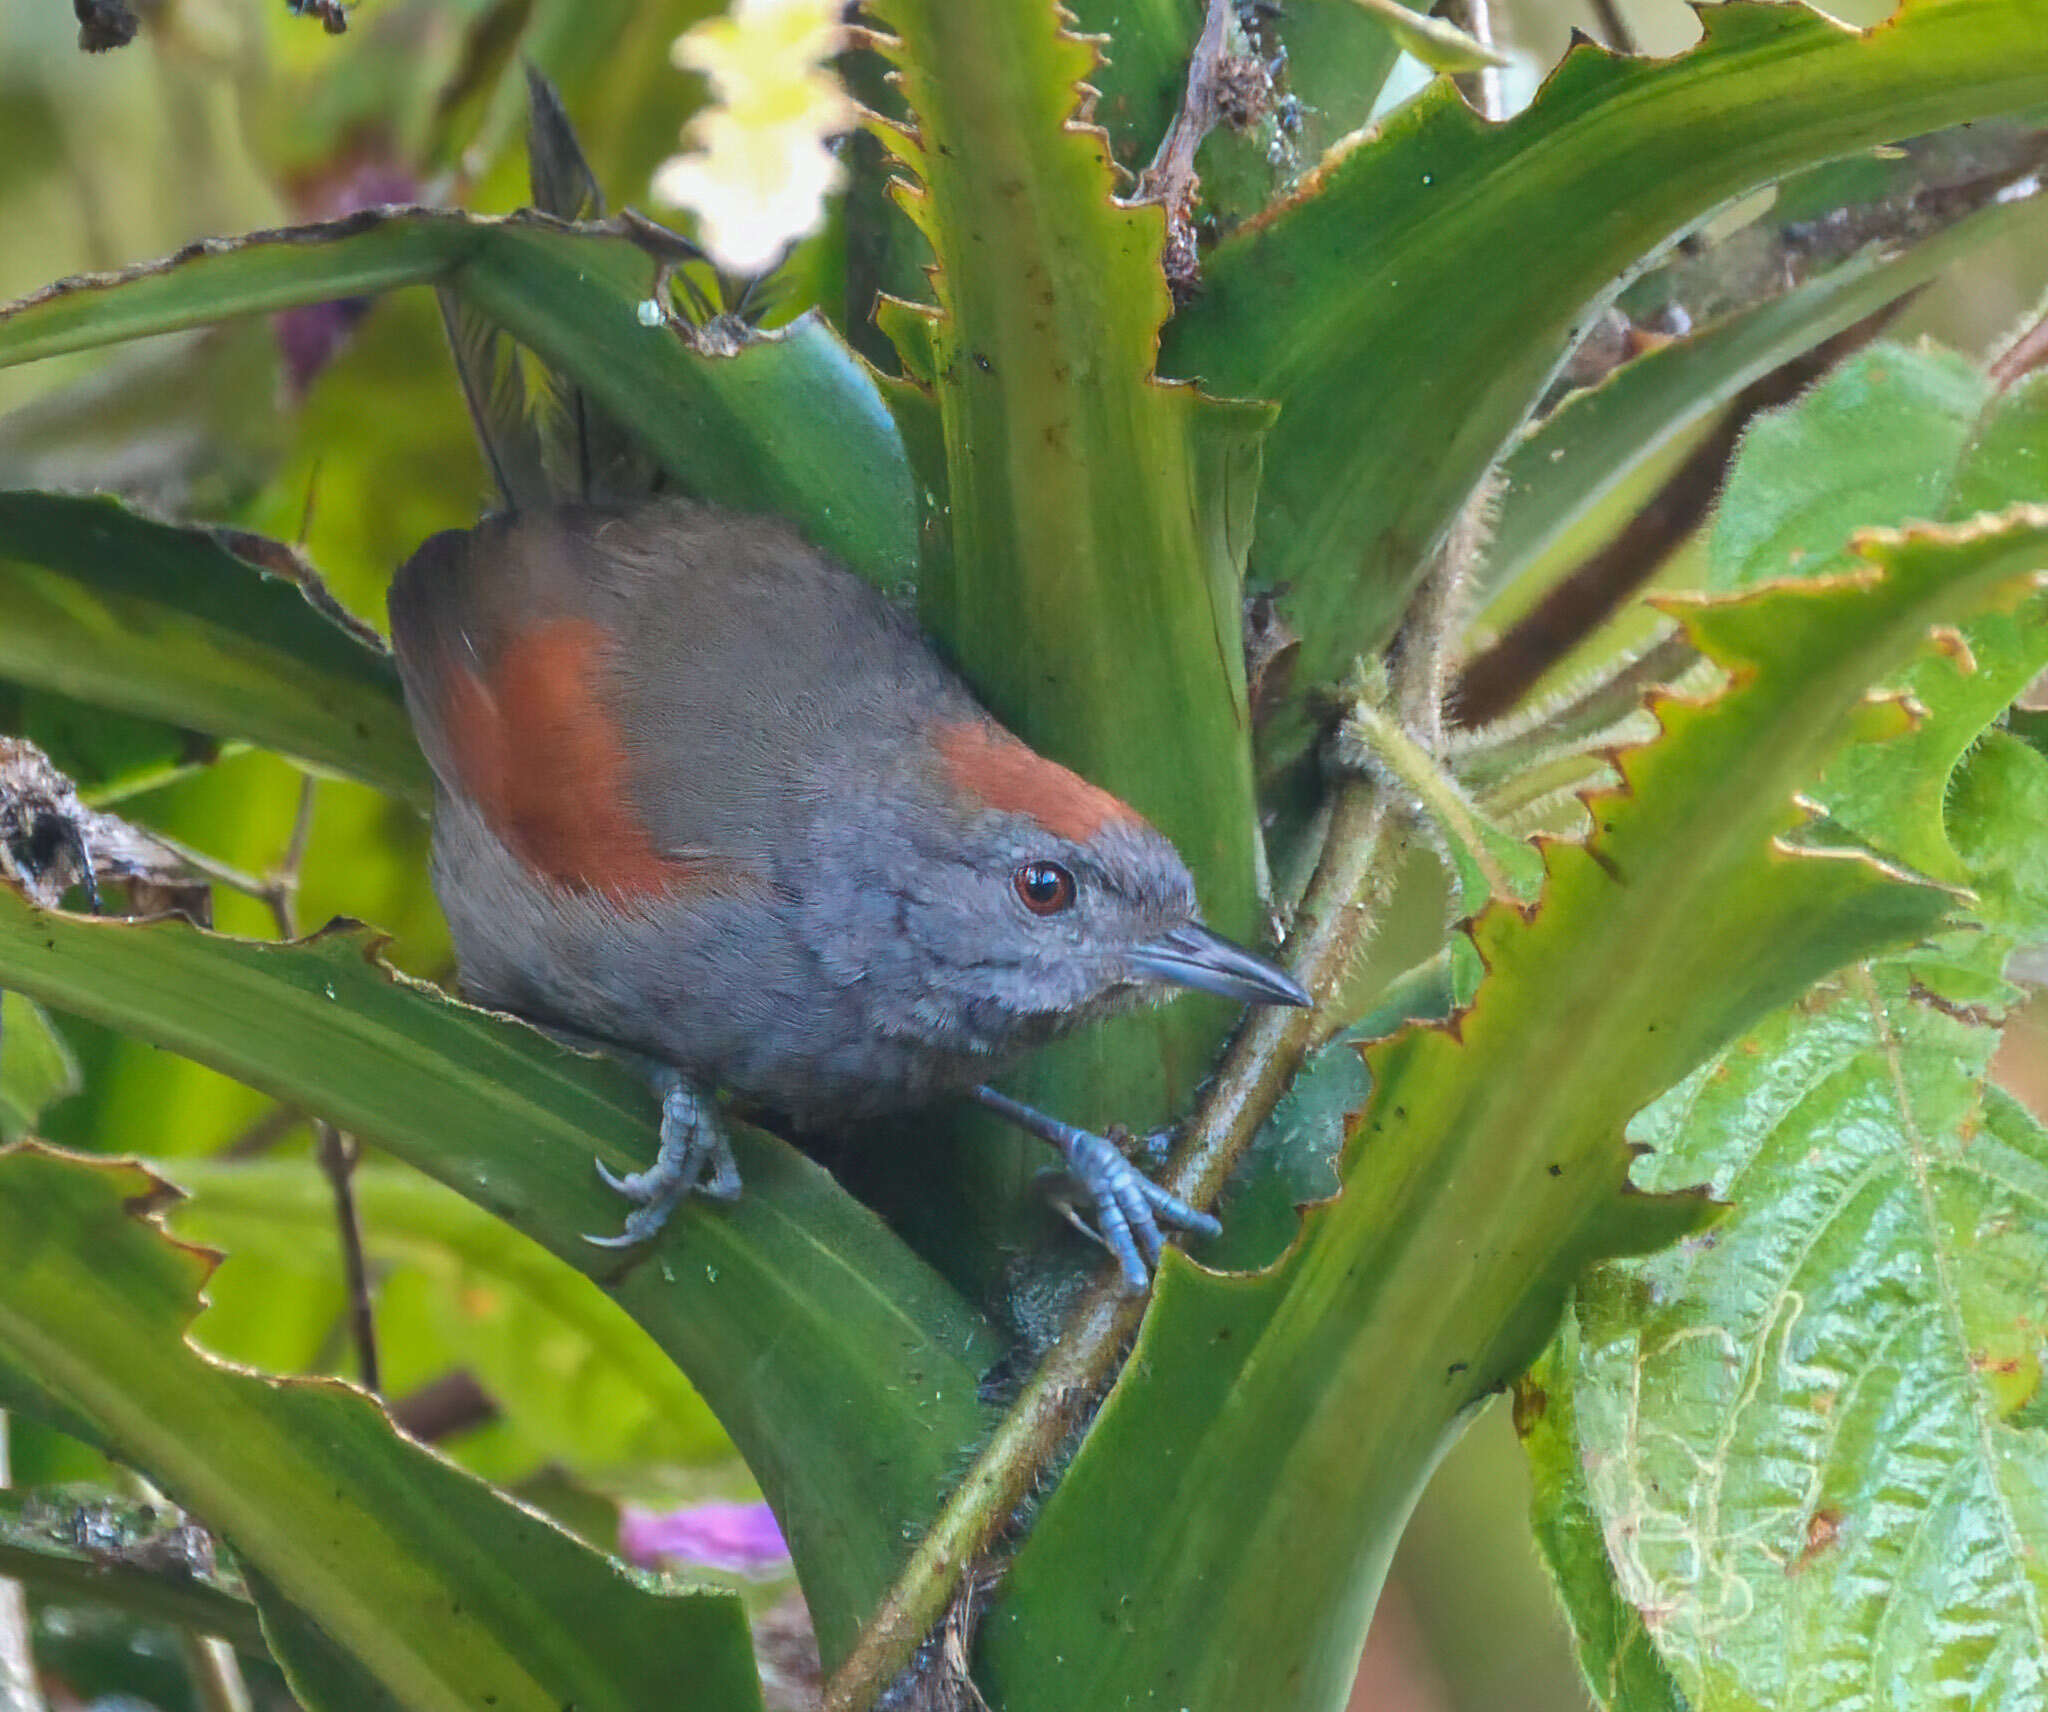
(988, 766)
(541, 756)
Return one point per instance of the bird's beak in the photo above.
(1192, 956)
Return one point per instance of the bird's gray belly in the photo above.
(725, 992)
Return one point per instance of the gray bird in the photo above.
(705, 797)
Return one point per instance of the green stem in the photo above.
(1379, 744)
(217, 1683)
(18, 1687)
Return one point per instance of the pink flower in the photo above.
(737, 1537)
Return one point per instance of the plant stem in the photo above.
(1376, 742)
(18, 1688)
(1331, 928)
(338, 1153)
(216, 1675)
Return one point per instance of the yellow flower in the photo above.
(759, 170)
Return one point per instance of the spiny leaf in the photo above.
(789, 424)
(442, 1591)
(1323, 1390)
(844, 1370)
(1403, 368)
(213, 629)
(1073, 483)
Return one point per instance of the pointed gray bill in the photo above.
(1192, 956)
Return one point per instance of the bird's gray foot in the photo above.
(1129, 1207)
(694, 1158)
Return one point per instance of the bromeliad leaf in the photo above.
(1357, 304)
(845, 1371)
(442, 1592)
(215, 630)
(1499, 1139)
(787, 423)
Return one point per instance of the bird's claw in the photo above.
(1130, 1208)
(694, 1158)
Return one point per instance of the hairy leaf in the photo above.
(1808, 1449)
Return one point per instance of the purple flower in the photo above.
(737, 1537)
(309, 337)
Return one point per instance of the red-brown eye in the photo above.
(1044, 888)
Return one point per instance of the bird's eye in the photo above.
(1044, 888)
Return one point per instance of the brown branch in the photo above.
(1614, 28)
(1215, 91)
(2022, 357)
(1494, 681)
(443, 1407)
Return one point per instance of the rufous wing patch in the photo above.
(541, 756)
(989, 767)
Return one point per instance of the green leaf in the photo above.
(191, 424)
(107, 755)
(1403, 369)
(1891, 436)
(584, 1387)
(1877, 443)
(845, 1371)
(39, 1549)
(440, 1588)
(1814, 1445)
(1308, 1404)
(1440, 45)
(36, 1067)
(1587, 448)
(791, 424)
(211, 629)
(1076, 486)
(1614, 1644)
(1141, 72)
(1996, 805)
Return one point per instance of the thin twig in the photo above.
(1330, 929)
(216, 1674)
(265, 1133)
(337, 1153)
(2021, 357)
(1614, 28)
(18, 1685)
(1171, 180)
(1482, 87)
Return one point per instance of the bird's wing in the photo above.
(507, 661)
